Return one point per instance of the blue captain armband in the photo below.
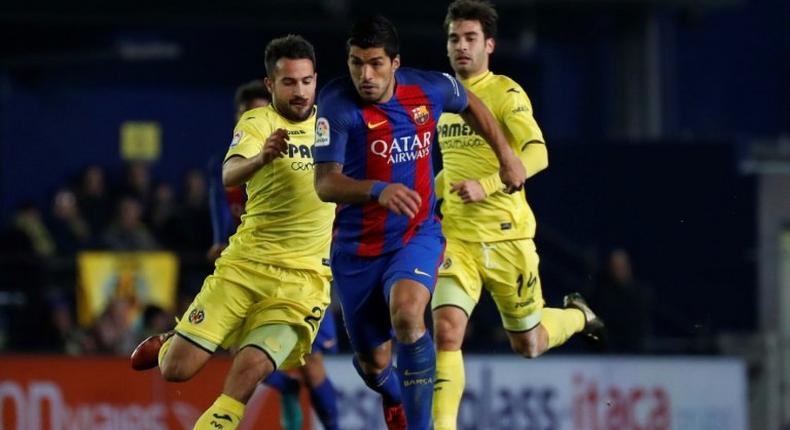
(377, 189)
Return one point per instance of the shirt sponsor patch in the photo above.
(236, 138)
(322, 132)
(505, 226)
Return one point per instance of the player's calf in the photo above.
(249, 367)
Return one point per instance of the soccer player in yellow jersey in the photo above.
(489, 232)
(270, 288)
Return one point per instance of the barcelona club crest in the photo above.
(420, 114)
(196, 316)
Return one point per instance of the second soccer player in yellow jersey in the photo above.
(489, 232)
(270, 288)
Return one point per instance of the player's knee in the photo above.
(408, 324)
(449, 336)
(375, 363)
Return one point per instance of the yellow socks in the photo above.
(224, 414)
(561, 324)
(164, 348)
(448, 388)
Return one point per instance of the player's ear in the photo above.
(396, 62)
(269, 84)
(490, 45)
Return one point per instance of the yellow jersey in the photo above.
(466, 155)
(285, 223)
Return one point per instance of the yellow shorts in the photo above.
(508, 270)
(242, 295)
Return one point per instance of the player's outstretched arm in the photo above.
(332, 185)
(511, 170)
(237, 170)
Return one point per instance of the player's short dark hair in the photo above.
(250, 91)
(292, 47)
(473, 10)
(375, 32)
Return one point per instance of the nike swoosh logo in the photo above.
(225, 417)
(372, 125)
(420, 272)
(419, 372)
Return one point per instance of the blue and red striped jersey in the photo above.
(390, 142)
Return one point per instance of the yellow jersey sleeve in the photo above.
(515, 111)
(249, 135)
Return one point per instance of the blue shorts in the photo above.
(326, 338)
(363, 285)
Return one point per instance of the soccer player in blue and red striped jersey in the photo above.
(374, 136)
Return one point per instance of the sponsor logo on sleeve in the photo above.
(322, 132)
(236, 138)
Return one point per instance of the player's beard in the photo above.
(375, 98)
(296, 113)
(468, 69)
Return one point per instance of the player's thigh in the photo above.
(459, 284)
(418, 261)
(221, 306)
(512, 278)
(291, 297)
(184, 358)
(359, 286)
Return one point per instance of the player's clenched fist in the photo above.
(276, 146)
(512, 174)
(401, 200)
(468, 190)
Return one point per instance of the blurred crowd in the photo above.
(134, 213)
(38, 269)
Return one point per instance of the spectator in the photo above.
(113, 329)
(154, 320)
(194, 225)
(28, 222)
(624, 304)
(137, 184)
(128, 232)
(69, 229)
(93, 200)
(164, 215)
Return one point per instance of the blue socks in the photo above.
(324, 400)
(281, 382)
(385, 383)
(416, 369)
